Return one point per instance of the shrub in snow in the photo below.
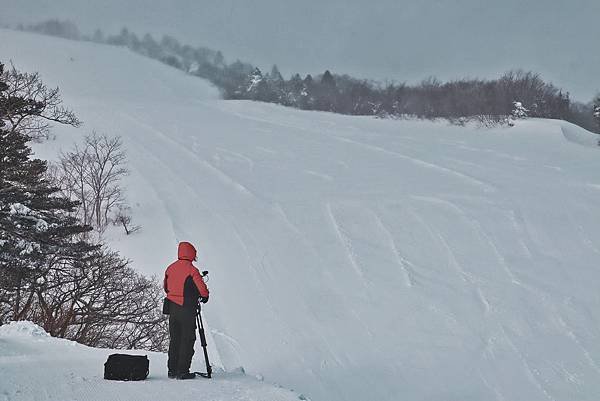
(519, 112)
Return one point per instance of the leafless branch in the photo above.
(30, 106)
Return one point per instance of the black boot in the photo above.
(186, 376)
(172, 375)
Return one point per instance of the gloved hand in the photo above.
(204, 299)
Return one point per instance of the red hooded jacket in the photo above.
(183, 282)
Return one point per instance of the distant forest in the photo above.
(516, 94)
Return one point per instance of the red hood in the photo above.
(186, 251)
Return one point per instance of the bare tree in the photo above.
(100, 301)
(43, 105)
(123, 218)
(92, 174)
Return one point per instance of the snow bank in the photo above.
(580, 136)
(22, 329)
(35, 366)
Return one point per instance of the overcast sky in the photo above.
(404, 40)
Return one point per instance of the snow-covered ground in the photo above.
(35, 366)
(353, 258)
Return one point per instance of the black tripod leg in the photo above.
(204, 344)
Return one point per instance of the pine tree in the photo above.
(257, 87)
(36, 228)
(98, 36)
(307, 100)
(293, 91)
(328, 80)
(326, 96)
(122, 39)
(277, 85)
(295, 83)
(150, 47)
(597, 111)
(219, 60)
(254, 78)
(519, 112)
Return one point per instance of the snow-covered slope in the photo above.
(353, 258)
(35, 366)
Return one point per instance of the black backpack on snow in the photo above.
(126, 367)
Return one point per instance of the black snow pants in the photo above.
(182, 333)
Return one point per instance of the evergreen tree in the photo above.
(170, 44)
(308, 81)
(54, 27)
(254, 78)
(326, 96)
(98, 36)
(150, 47)
(275, 75)
(293, 91)
(307, 100)
(328, 80)
(519, 111)
(597, 111)
(36, 228)
(296, 84)
(122, 39)
(134, 43)
(219, 60)
(257, 87)
(277, 85)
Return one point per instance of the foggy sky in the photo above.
(382, 39)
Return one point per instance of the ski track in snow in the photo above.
(478, 229)
(163, 198)
(571, 334)
(532, 374)
(279, 210)
(434, 234)
(493, 389)
(225, 178)
(230, 339)
(320, 175)
(423, 163)
(404, 265)
(345, 242)
(515, 216)
(240, 156)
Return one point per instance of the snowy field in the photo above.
(353, 258)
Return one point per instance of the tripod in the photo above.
(208, 373)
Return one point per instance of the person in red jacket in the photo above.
(184, 287)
